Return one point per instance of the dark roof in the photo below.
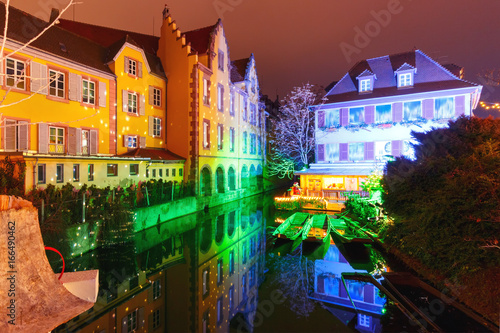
(429, 76)
(239, 69)
(108, 36)
(200, 38)
(57, 41)
(153, 154)
(458, 71)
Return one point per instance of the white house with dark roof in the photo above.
(370, 113)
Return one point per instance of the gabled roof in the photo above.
(56, 41)
(365, 73)
(200, 38)
(429, 76)
(153, 154)
(239, 69)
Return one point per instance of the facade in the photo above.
(370, 113)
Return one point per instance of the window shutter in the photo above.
(43, 138)
(44, 84)
(428, 108)
(102, 94)
(142, 142)
(74, 87)
(344, 117)
(125, 62)
(369, 151)
(94, 144)
(343, 151)
(151, 126)
(125, 100)
(35, 76)
(10, 135)
(142, 104)
(321, 119)
(397, 112)
(370, 114)
(368, 293)
(23, 131)
(78, 141)
(125, 140)
(140, 317)
(1, 73)
(321, 153)
(151, 95)
(150, 323)
(150, 295)
(396, 146)
(139, 69)
(72, 141)
(459, 105)
(124, 324)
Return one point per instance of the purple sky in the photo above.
(299, 41)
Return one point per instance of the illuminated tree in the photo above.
(292, 141)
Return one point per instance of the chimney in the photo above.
(53, 15)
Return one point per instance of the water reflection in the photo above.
(195, 273)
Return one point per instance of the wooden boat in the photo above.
(351, 234)
(293, 227)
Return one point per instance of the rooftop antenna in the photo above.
(166, 11)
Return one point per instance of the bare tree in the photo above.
(292, 142)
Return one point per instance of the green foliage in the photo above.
(12, 176)
(299, 203)
(445, 203)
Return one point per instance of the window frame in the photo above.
(90, 172)
(156, 285)
(365, 85)
(206, 91)
(405, 79)
(114, 168)
(56, 145)
(206, 134)
(94, 96)
(205, 282)
(132, 102)
(220, 97)
(15, 76)
(43, 168)
(59, 173)
(220, 271)
(132, 141)
(59, 73)
(156, 97)
(135, 167)
(220, 136)
(231, 139)
(156, 127)
(132, 321)
(220, 60)
(132, 67)
(76, 172)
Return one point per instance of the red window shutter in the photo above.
(150, 125)
(10, 135)
(43, 138)
(459, 105)
(321, 153)
(102, 94)
(142, 104)
(344, 117)
(370, 114)
(321, 119)
(139, 69)
(369, 151)
(72, 141)
(125, 140)
(125, 100)
(142, 142)
(125, 62)
(94, 142)
(428, 108)
(23, 135)
(397, 112)
(78, 141)
(151, 95)
(343, 151)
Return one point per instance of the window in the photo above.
(112, 170)
(253, 114)
(259, 145)
(220, 271)
(219, 310)
(88, 93)
(244, 142)
(156, 127)
(405, 79)
(356, 115)
(233, 106)
(365, 85)
(180, 172)
(220, 136)
(444, 108)
(231, 262)
(16, 73)
(91, 172)
(156, 285)
(132, 321)
(85, 142)
(147, 172)
(132, 67)
(332, 152)
(131, 141)
(383, 114)
(156, 319)
(156, 97)
(154, 173)
(206, 92)
(173, 172)
(253, 149)
(206, 134)
(231, 298)
(160, 173)
(231, 139)
(205, 279)
(41, 173)
(166, 172)
(251, 277)
(60, 173)
(16, 135)
(244, 286)
(204, 322)
(363, 320)
(332, 118)
(220, 60)
(356, 151)
(76, 172)
(56, 140)
(244, 253)
(220, 98)
(57, 84)
(134, 169)
(132, 102)
(412, 110)
(244, 108)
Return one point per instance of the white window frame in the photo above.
(85, 142)
(132, 141)
(405, 79)
(132, 102)
(220, 60)
(220, 98)
(41, 177)
(56, 78)
(220, 137)
(365, 85)
(206, 132)
(364, 320)
(206, 92)
(17, 75)
(76, 172)
(132, 67)
(231, 139)
(56, 146)
(157, 97)
(132, 321)
(88, 91)
(156, 319)
(60, 175)
(156, 127)
(156, 285)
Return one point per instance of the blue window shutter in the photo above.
(370, 114)
(344, 117)
(321, 119)
(428, 106)
(397, 112)
(344, 151)
(369, 151)
(459, 105)
(321, 153)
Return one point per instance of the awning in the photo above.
(340, 169)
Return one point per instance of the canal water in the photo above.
(221, 270)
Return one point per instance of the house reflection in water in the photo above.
(190, 274)
(364, 300)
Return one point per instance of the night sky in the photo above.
(316, 41)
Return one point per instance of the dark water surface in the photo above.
(222, 270)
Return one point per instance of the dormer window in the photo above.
(405, 79)
(365, 85)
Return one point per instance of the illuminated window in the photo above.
(112, 170)
(60, 173)
(253, 114)
(57, 84)
(244, 142)
(76, 172)
(156, 127)
(206, 134)
(220, 271)
(206, 92)
(231, 139)
(88, 93)
(231, 298)
(220, 136)
(252, 143)
(131, 141)
(220, 59)
(405, 79)
(132, 322)
(220, 310)
(412, 110)
(244, 252)
(205, 288)
(220, 98)
(232, 107)
(85, 142)
(56, 140)
(356, 115)
(363, 320)
(134, 169)
(383, 114)
(41, 173)
(244, 109)
(132, 102)
(156, 97)
(231, 262)
(259, 144)
(132, 67)
(91, 172)
(156, 285)
(365, 85)
(16, 73)
(156, 319)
